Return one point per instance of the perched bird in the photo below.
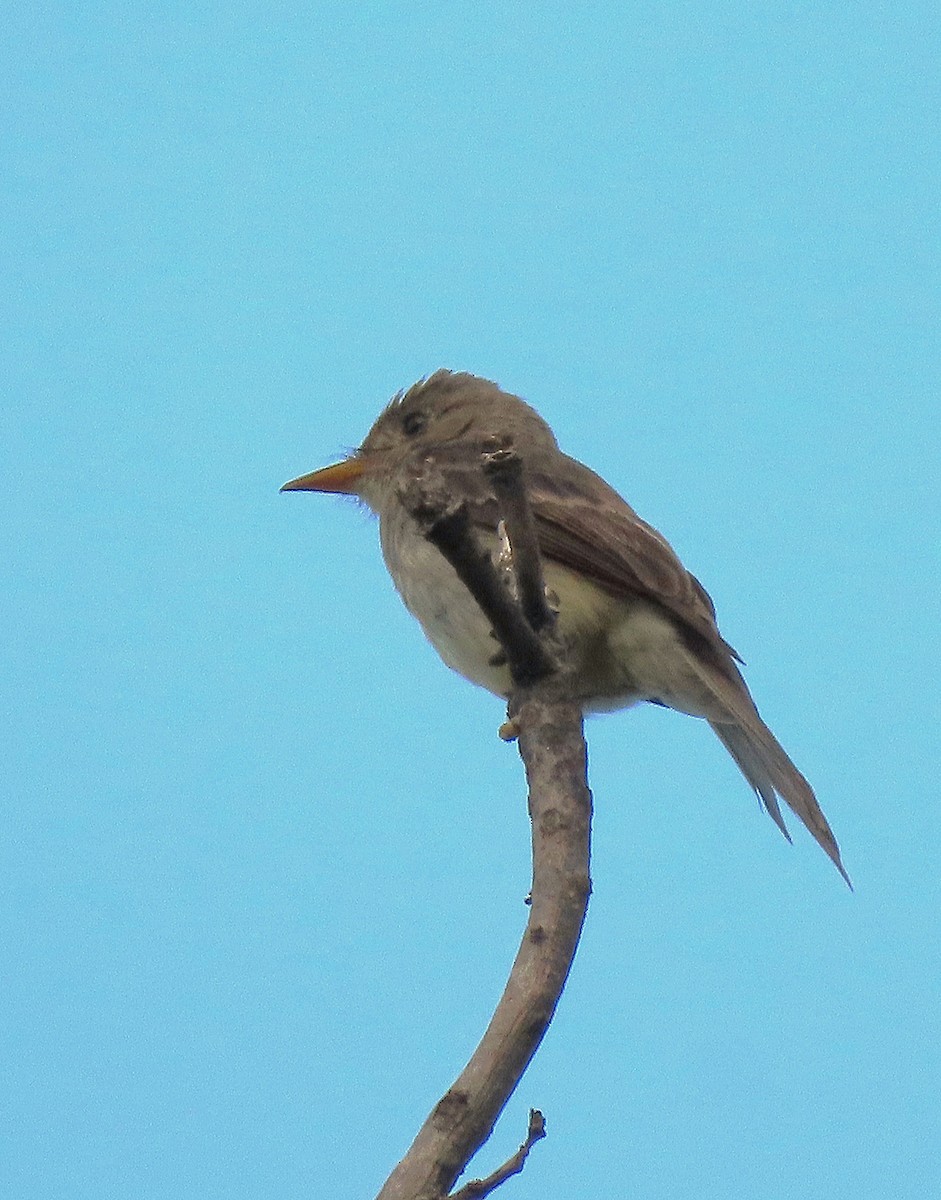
(638, 625)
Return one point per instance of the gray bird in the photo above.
(638, 625)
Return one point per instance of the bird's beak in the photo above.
(341, 477)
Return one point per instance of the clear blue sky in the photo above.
(263, 858)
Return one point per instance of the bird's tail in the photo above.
(763, 762)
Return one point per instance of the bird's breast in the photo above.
(614, 642)
(445, 609)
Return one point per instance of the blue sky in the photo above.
(264, 858)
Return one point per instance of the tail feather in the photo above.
(704, 681)
(735, 740)
(766, 766)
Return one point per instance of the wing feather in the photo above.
(583, 524)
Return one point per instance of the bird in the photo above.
(637, 625)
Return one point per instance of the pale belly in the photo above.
(622, 651)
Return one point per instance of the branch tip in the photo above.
(476, 1189)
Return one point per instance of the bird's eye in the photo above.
(413, 423)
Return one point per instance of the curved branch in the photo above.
(552, 746)
(553, 751)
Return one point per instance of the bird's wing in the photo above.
(592, 530)
(583, 524)
(612, 545)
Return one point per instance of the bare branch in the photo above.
(553, 751)
(552, 746)
(477, 1189)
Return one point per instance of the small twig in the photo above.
(504, 468)
(477, 1189)
(445, 523)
